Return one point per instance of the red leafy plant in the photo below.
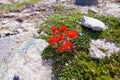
(62, 39)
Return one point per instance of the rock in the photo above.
(92, 23)
(113, 9)
(15, 27)
(27, 64)
(5, 33)
(19, 30)
(100, 49)
(10, 15)
(62, 1)
(27, 24)
(112, 5)
(114, 12)
(84, 10)
(4, 22)
(36, 35)
(28, 10)
(19, 1)
(11, 25)
(25, 15)
(94, 10)
(36, 12)
(5, 2)
(50, 1)
(30, 21)
(8, 28)
(20, 20)
(9, 44)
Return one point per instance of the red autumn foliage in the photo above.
(62, 39)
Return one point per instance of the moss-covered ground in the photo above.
(79, 65)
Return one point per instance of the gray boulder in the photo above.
(92, 23)
(26, 63)
(11, 43)
(100, 49)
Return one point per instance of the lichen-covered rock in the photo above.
(92, 23)
(101, 49)
(26, 63)
(11, 43)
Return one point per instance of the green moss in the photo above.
(71, 17)
(110, 34)
(82, 42)
(62, 18)
(79, 65)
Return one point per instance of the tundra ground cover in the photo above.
(79, 65)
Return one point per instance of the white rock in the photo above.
(5, 2)
(10, 15)
(9, 27)
(19, 30)
(113, 12)
(25, 15)
(27, 10)
(112, 5)
(27, 62)
(26, 24)
(62, 1)
(9, 44)
(12, 24)
(113, 9)
(20, 0)
(94, 10)
(36, 12)
(92, 23)
(49, 1)
(101, 49)
(5, 32)
(4, 22)
(29, 26)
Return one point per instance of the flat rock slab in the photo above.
(9, 44)
(26, 63)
